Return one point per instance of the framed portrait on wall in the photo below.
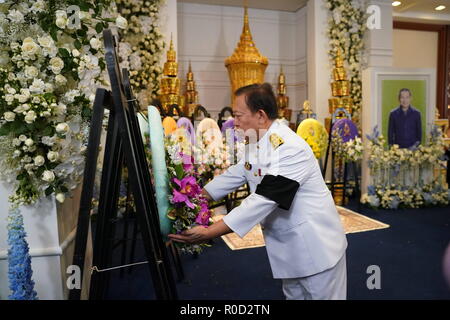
(381, 96)
(404, 109)
(381, 89)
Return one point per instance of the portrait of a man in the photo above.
(405, 124)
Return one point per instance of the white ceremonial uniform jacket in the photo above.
(302, 241)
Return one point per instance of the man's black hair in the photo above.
(260, 96)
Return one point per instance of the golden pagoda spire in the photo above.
(191, 95)
(170, 86)
(282, 98)
(340, 87)
(246, 65)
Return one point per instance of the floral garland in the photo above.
(404, 177)
(350, 151)
(346, 29)
(189, 206)
(141, 47)
(50, 64)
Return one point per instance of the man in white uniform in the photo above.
(304, 237)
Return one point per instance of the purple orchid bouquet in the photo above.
(188, 206)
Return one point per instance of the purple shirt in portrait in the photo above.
(405, 129)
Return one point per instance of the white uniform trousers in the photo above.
(330, 284)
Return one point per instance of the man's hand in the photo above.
(201, 234)
(206, 194)
(195, 235)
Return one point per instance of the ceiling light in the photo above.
(396, 3)
(439, 8)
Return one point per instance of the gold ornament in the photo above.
(275, 140)
(246, 65)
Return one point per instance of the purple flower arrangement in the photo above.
(188, 206)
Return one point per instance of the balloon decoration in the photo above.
(159, 168)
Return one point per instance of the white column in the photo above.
(379, 40)
(379, 54)
(319, 90)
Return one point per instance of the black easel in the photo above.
(123, 144)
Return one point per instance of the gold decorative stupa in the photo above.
(191, 94)
(170, 86)
(246, 65)
(340, 87)
(282, 98)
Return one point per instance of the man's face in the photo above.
(244, 119)
(405, 99)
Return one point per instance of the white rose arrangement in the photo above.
(346, 29)
(141, 46)
(52, 61)
(405, 177)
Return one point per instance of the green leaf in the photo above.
(63, 52)
(64, 189)
(81, 33)
(48, 131)
(54, 33)
(40, 171)
(49, 191)
(77, 44)
(179, 171)
(99, 27)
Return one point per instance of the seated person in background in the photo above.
(405, 126)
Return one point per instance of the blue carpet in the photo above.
(409, 255)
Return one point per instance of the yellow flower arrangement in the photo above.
(315, 134)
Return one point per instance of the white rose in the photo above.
(52, 156)
(56, 64)
(31, 72)
(29, 47)
(30, 116)
(9, 116)
(62, 128)
(61, 14)
(48, 176)
(19, 109)
(61, 19)
(45, 42)
(39, 161)
(29, 142)
(61, 109)
(60, 79)
(37, 86)
(60, 197)
(22, 137)
(75, 53)
(95, 43)
(121, 22)
(16, 142)
(15, 16)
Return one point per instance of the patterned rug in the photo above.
(353, 222)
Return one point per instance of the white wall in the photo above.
(208, 34)
(406, 52)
